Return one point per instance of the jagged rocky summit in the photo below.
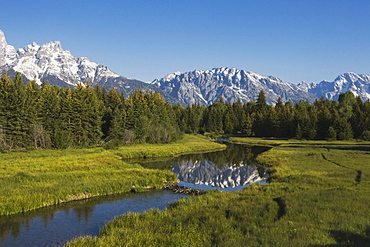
(206, 87)
(51, 63)
(359, 84)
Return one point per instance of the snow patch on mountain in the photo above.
(206, 87)
(359, 84)
(49, 62)
(41, 62)
(8, 54)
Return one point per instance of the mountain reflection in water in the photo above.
(231, 169)
(206, 175)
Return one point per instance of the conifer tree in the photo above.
(115, 115)
(229, 119)
(64, 133)
(240, 116)
(18, 112)
(49, 113)
(214, 116)
(6, 141)
(331, 134)
(87, 115)
(36, 130)
(261, 101)
(342, 127)
(358, 118)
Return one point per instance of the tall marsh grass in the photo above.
(30, 180)
(310, 201)
(189, 144)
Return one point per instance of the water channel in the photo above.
(228, 170)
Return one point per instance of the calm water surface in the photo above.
(56, 225)
(229, 170)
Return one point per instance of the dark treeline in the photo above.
(347, 118)
(52, 117)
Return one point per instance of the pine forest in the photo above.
(46, 116)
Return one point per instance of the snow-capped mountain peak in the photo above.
(33, 47)
(359, 84)
(51, 63)
(2, 40)
(206, 87)
(8, 53)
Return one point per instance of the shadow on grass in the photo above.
(282, 207)
(347, 239)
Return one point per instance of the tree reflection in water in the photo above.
(55, 225)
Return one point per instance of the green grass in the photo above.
(310, 201)
(277, 142)
(30, 180)
(189, 144)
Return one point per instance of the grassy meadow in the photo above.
(189, 144)
(319, 195)
(38, 178)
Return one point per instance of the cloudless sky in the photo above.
(294, 40)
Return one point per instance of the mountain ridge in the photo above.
(359, 84)
(206, 87)
(49, 62)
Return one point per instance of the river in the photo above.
(231, 169)
(57, 224)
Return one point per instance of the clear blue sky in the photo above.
(146, 39)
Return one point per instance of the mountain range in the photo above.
(49, 62)
(206, 87)
(359, 84)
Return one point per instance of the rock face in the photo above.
(59, 67)
(206, 87)
(51, 63)
(359, 84)
(8, 54)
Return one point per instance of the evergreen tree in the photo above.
(63, 135)
(115, 115)
(240, 116)
(36, 129)
(213, 118)
(358, 118)
(331, 134)
(247, 126)
(342, 127)
(87, 116)
(18, 112)
(324, 118)
(6, 141)
(181, 116)
(346, 102)
(261, 101)
(49, 113)
(299, 132)
(229, 119)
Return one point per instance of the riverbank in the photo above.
(319, 195)
(40, 178)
